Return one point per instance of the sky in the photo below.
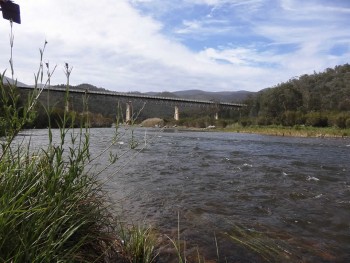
(172, 45)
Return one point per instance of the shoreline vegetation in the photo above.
(275, 130)
(297, 131)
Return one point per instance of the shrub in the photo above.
(245, 122)
(264, 120)
(316, 119)
(291, 118)
(221, 123)
(347, 123)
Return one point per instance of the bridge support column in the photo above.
(128, 112)
(176, 114)
(66, 107)
(216, 116)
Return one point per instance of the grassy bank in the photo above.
(296, 131)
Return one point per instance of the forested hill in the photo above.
(83, 86)
(320, 99)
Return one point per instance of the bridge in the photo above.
(130, 97)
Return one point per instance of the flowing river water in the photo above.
(290, 194)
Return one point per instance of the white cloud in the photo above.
(222, 2)
(204, 27)
(312, 28)
(119, 49)
(114, 45)
(314, 7)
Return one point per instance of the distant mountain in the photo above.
(223, 96)
(86, 86)
(83, 86)
(7, 80)
(163, 94)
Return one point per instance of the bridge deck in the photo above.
(130, 96)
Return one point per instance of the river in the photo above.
(289, 193)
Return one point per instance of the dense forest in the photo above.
(320, 100)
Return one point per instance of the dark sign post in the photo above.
(10, 11)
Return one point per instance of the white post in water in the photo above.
(216, 116)
(128, 112)
(176, 115)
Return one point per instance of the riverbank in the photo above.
(275, 130)
(297, 131)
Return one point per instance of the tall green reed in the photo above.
(138, 243)
(52, 207)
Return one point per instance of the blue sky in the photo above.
(169, 45)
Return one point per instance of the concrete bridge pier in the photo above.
(66, 107)
(216, 116)
(176, 114)
(128, 112)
